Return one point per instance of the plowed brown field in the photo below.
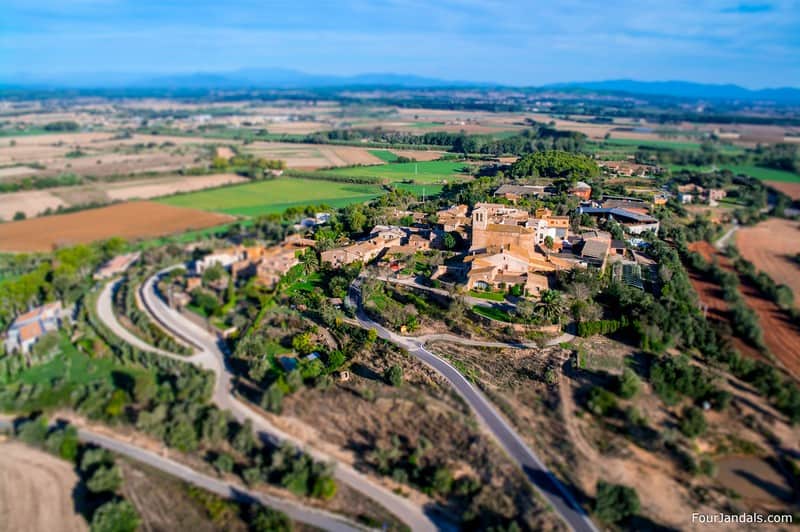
(772, 246)
(134, 220)
(36, 492)
(781, 336)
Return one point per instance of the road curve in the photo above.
(296, 511)
(210, 355)
(556, 494)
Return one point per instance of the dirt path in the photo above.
(36, 492)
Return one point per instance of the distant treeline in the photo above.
(539, 137)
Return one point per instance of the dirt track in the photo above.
(36, 492)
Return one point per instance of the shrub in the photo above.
(628, 384)
(615, 502)
(601, 402)
(394, 375)
(115, 516)
(693, 422)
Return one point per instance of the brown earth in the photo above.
(164, 503)
(771, 246)
(134, 220)
(790, 189)
(36, 491)
(781, 336)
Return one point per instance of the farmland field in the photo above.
(771, 246)
(35, 202)
(37, 491)
(275, 195)
(422, 172)
(141, 219)
(758, 172)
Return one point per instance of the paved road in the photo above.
(297, 512)
(548, 485)
(210, 355)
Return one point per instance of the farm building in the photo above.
(634, 222)
(27, 328)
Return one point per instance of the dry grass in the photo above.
(36, 491)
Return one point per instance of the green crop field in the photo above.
(276, 195)
(758, 172)
(421, 172)
(629, 146)
(384, 155)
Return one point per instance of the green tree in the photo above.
(551, 306)
(309, 260)
(628, 384)
(449, 241)
(614, 502)
(115, 516)
(224, 463)
(268, 520)
(272, 399)
(394, 375)
(303, 343)
(105, 478)
(548, 242)
(19, 215)
(693, 422)
(182, 436)
(324, 487)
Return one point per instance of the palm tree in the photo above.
(551, 306)
(310, 261)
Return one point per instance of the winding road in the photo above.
(297, 512)
(210, 355)
(556, 494)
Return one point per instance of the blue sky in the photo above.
(755, 43)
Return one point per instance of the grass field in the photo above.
(384, 155)
(629, 146)
(277, 195)
(421, 172)
(758, 172)
(68, 369)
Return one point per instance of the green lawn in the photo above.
(758, 172)
(384, 155)
(68, 369)
(421, 172)
(491, 296)
(276, 195)
(493, 313)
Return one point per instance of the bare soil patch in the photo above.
(790, 189)
(36, 491)
(128, 220)
(31, 202)
(771, 246)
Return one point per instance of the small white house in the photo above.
(29, 327)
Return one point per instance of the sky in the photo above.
(755, 43)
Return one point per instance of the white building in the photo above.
(29, 327)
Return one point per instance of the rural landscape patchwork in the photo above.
(263, 300)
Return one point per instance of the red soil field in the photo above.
(790, 189)
(134, 220)
(771, 246)
(781, 336)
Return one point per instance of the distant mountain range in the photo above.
(267, 78)
(279, 78)
(685, 89)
